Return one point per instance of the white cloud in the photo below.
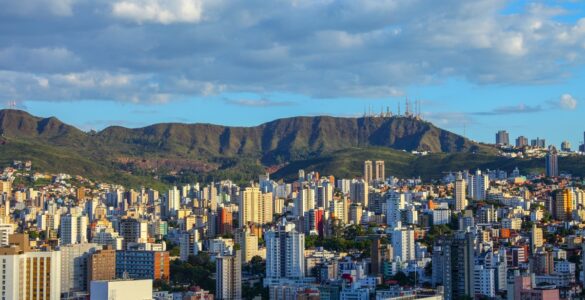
(117, 49)
(159, 11)
(568, 102)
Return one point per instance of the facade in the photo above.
(484, 281)
(73, 229)
(521, 141)
(563, 204)
(380, 171)
(121, 289)
(524, 288)
(536, 238)
(74, 267)
(228, 270)
(479, 185)
(552, 162)
(359, 192)
(368, 171)
(403, 244)
(248, 242)
(188, 244)
(173, 201)
(256, 208)
(459, 192)
(453, 265)
(502, 138)
(102, 265)
(143, 265)
(133, 231)
(285, 252)
(31, 275)
(394, 204)
(5, 231)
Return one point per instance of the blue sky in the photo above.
(480, 65)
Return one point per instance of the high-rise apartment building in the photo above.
(563, 204)
(224, 221)
(460, 193)
(403, 244)
(380, 171)
(74, 267)
(536, 238)
(479, 184)
(143, 264)
(552, 162)
(359, 192)
(285, 248)
(502, 138)
(248, 242)
(453, 265)
(133, 231)
(188, 244)
(228, 270)
(368, 171)
(355, 213)
(538, 143)
(521, 141)
(101, 265)
(250, 206)
(6, 189)
(395, 203)
(74, 229)
(304, 201)
(566, 146)
(29, 275)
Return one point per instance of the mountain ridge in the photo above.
(171, 147)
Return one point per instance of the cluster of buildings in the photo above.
(503, 140)
(484, 234)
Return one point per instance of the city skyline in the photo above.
(476, 67)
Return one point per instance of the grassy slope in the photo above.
(349, 163)
(62, 159)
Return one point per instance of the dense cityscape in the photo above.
(473, 234)
(292, 150)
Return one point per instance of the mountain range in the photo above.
(176, 152)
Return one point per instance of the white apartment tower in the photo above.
(285, 249)
(403, 244)
(74, 229)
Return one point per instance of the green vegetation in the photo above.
(343, 243)
(197, 270)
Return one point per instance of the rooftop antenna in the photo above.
(398, 109)
(407, 107)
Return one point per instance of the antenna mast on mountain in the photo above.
(11, 104)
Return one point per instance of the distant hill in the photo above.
(175, 151)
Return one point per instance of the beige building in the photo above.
(368, 171)
(248, 243)
(27, 274)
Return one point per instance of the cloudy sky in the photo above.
(476, 66)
